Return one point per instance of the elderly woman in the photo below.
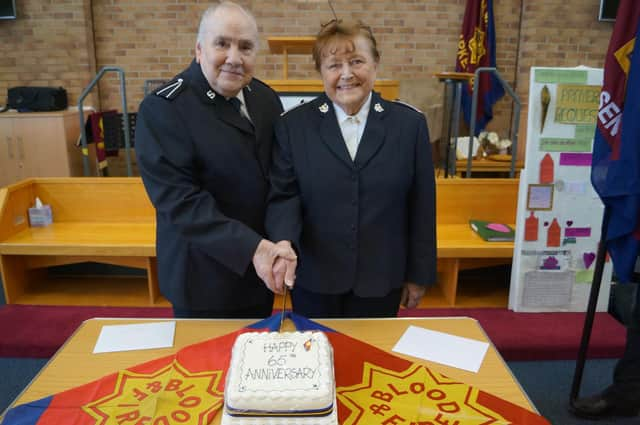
(353, 188)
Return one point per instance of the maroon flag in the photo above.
(616, 69)
(477, 48)
(616, 146)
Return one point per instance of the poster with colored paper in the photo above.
(559, 144)
(559, 214)
(546, 170)
(577, 104)
(372, 386)
(531, 228)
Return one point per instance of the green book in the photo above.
(492, 231)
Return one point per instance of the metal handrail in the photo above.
(474, 109)
(125, 118)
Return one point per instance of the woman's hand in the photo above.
(265, 259)
(284, 270)
(412, 294)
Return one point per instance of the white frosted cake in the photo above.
(280, 379)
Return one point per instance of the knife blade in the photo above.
(284, 303)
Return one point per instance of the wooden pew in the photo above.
(459, 248)
(104, 220)
(111, 221)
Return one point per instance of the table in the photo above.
(74, 364)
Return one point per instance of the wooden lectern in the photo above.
(388, 89)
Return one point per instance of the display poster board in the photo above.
(559, 215)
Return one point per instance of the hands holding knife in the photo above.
(275, 264)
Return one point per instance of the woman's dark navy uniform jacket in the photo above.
(206, 172)
(368, 224)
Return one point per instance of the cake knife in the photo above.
(284, 303)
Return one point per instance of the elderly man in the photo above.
(203, 144)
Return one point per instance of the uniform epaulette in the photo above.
(171, 89)
(408, 105)
(292, 108)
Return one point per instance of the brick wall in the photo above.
(52, 42)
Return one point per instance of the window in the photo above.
(608, 10)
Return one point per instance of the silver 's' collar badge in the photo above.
(211, 94)
(324, 108)
(378, 107)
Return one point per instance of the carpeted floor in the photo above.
(38, 331)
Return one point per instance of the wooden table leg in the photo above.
(14, 277)
(449, 283)
(152, 280)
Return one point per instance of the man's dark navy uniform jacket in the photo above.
(206, 169)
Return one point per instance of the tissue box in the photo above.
(40, 217)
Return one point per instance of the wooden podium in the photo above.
(388, 89)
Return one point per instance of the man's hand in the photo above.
(264, 261)
(412, 294)
(284, 270)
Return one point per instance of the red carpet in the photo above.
(38, 331)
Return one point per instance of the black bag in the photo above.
(37, 98)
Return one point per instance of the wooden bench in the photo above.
(104, 220)
(459, 248)
(111, 221)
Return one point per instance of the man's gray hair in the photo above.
(211, 10)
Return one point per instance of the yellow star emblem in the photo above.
(476, 46)
(415, 396)
(171, 395)
(623, 55)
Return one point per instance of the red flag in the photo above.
(372, 387)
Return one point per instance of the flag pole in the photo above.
(591, 309)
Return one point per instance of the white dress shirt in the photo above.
(243, 106)
(352, 126)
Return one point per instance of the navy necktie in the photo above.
(237, 105)
(235, 102)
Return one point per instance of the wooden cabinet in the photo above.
(39, 144)
(8, 153)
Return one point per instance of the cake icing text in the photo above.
(280, 373)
